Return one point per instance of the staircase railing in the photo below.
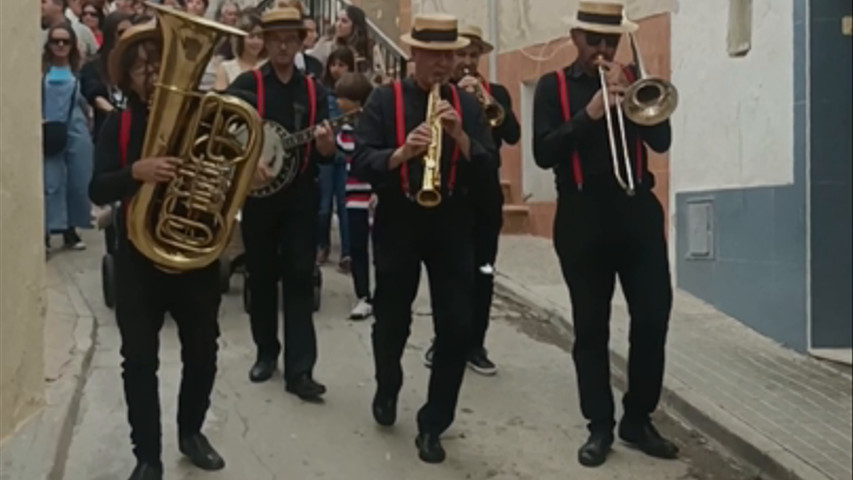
(392, 56)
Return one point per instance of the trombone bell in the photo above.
(650, 101)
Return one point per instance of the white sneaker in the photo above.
(362, 310)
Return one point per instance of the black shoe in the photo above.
(385, 410)
(198, 450)
(429, 448)
(645, 437)
(305, 388)
(147, 471)
(72, 240)
(262, 370)
(594, 452)
(480, 363)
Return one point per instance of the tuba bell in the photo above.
(185, 224)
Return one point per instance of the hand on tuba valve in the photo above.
(493, 111)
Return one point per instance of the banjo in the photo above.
(280, 153)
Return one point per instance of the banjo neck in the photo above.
(305, 136)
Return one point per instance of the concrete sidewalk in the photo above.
(787, 415)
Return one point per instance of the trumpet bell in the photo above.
(650, 101)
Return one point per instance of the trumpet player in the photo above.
(602, 230)
(486, 190)
(144, 292)
(278, 230)
(422, 173)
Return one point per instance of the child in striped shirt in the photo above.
(352, 90)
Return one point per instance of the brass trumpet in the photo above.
(430, 193)
(493, 111)
(648, 101)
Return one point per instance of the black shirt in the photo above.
(287, 105)
(554, 140)
(509, 131)
(376, 140)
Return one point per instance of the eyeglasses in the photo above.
(594, 39)
(89, 13)
(59, 42)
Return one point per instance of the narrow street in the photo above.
(523, 424)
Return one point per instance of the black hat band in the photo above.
(435, 35)
(599, 18)
(283, 24)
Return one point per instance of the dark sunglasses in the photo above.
(60, 42)
(89, 13)
(594, 39)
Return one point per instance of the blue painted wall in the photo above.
(757, 273)
(830, 174)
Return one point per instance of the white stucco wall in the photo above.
(734, 125)
(529, 22)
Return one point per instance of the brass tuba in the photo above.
(430, 193)
(185, 224)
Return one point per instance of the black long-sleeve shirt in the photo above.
(509, 131)
(376, 140)
(112, 181)
(287, 105)
(555, 140)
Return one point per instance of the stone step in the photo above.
(506, 188)
(516, 219)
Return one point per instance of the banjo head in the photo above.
(282, 164)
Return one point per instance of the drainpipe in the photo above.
(495, 34)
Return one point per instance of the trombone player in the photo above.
(608, 222)
(486, 191)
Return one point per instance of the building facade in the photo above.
(22, 305)
(761, 168)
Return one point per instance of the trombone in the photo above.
(646, 102)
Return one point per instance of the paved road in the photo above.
(522, 424)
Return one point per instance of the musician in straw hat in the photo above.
(144, 293)
(600, 231)
(278, 230)
(391, 140)
(488, 197)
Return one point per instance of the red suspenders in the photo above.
(567, 115)
(123, 141)
(400, 130)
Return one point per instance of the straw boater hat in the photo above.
(599, 17)
(132, 37)
(283, 18)
(435, 32)
(475, 35)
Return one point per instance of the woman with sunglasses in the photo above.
(66, 173)
(93, 17)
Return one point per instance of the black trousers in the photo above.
(279, 238)
(488, 220)
(406, 235)
(144, 295)
(359, 228)
(600, 234)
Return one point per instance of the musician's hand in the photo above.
(155, 169)
(417, 141)
(450, 119)
(325, 138)
(468, 83)
(595, 107)
(263, 174)
(614, 74)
